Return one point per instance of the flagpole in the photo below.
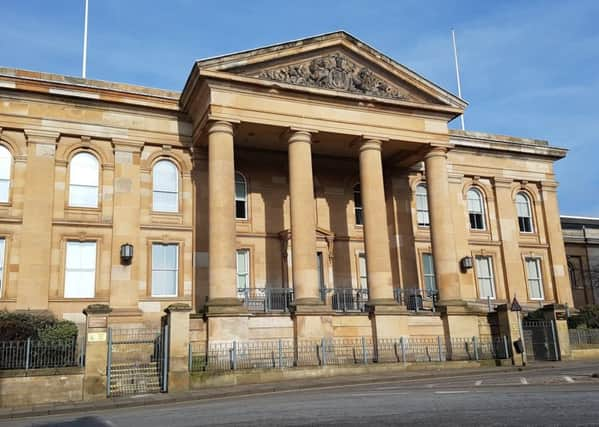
(457, 72)
(84, 66)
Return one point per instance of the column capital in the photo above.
(371, 144)
(221, 126)
(41, 137)
(437, 150)
(298, 135)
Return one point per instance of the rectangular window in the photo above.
(362, 271)
(2, 250)
(80, 270)
(428, 269)
(320, 267)
(165, 269)
(243, 271)
(484, 276)
(422, 210)
(535, 282)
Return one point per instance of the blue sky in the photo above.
(529, 68)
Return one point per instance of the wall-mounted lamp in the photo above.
(466, 263)
(126, 253)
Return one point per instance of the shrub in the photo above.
(587, 317)
(16, 326)
(62, 330)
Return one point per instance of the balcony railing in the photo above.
(415, 299)
(265, 300)
(346, 299)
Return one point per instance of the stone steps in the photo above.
(134, 378)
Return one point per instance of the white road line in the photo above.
(479, 382)
(568, 378)
(523, 380)
(452, 392)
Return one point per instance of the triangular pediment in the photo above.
(333, 63)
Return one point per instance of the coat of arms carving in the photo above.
(337, 72)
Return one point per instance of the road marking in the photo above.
(479, 382)
(568, 378)
(452, 392)
(523, 380)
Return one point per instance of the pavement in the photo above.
(562, 393)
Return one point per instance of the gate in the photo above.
(137, 361)
(540, 340)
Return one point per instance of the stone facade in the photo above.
(299, 126)
(581, 236)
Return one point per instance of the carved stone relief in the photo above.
(334, 71)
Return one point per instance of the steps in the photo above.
(134, 378)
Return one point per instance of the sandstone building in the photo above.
(581, 236)
(308, 188)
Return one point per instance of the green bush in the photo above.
(16, 326)
(62, 330)
(587, 317)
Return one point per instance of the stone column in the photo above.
(178, 346)
(459, 320)
(227, 318)
(376, 238)
(221, 217)
(303, 222)
(36, 237)
(442, 229)
(124, 279)
(557, 251)
(96, 352)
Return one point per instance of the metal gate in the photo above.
(540, 340)
(137, 361)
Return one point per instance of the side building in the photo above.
(581, 236)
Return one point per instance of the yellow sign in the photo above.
(96, 337)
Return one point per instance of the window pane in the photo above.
(240, 190)
(363, 272)
(240, 212)
(165, 202)
(164, 283)
(83, 196)
(4, 188)
(165, 176)
(84, 170)
(80, 270)
(484, 271)
(5, 163)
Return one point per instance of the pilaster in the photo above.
(96, 352)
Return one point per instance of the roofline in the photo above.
(584, 218)
(341, 33)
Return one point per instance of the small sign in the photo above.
(515, 305)
(96, 337)
(560, 315)
(97, 322)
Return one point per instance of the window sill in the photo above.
(81, 209)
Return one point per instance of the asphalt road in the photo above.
(553, 395)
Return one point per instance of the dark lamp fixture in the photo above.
(126, 253)
(466, 263)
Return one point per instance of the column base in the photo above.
(225, 307)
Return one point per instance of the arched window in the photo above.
(5, 171)
(422, 206)
(358, 205)
(523, 207)
(84, 175)
(241, 197)
(476, 209)
(165, 187)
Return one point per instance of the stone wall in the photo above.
(18, 388)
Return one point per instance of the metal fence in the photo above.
(415, 299)
(266, 300)
(288, 353)
(584, 338)
(347, 299)
(40, 354)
